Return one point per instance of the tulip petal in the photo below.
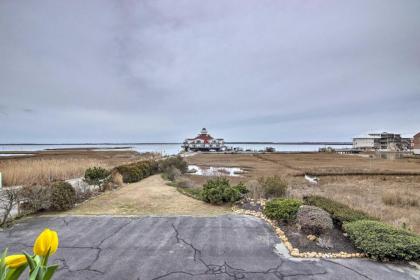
(47, 242)
(15, 261)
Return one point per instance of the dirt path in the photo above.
(150, 196)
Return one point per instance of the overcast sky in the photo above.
(298, 70)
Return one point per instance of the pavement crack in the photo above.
(97, 255)
(197, 252)
(99, 249)
(217, 269)
(66, 223)
(349, 268)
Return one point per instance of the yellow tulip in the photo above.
(15, 261)
(46, 241)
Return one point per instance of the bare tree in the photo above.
(9, 197)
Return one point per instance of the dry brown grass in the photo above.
(365, 193)
(393, 197)
(43, 171)
(150, 196)
(52, 166)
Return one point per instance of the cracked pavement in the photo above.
(151, 248)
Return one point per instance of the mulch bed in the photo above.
(333, 242)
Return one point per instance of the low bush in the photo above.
(219, 191)
(85, 195)
(314, 220)
(255, 189)
(178, 162)
(340, 213)
(137, 171)
(282, 209)
(63, 196)
(35, 198)
(171, 173)
(382, 241)
(184, 183)
(9, 198)
(273, 186)
(241, 188)
(96, 175)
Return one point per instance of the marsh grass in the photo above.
(394, 200)
(35, 171)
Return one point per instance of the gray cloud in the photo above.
(249, 70)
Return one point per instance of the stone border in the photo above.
(294, 252)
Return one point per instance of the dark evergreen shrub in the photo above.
(241, 188)
(137, 171)
(96, 175)
(63, 196)
(382, 241)
(282, 209)
(219, 191)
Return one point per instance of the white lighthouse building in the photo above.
(204, 142)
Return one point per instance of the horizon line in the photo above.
(174, 143)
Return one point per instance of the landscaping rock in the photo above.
(311, 237)
(314, 220)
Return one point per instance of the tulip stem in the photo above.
(45, 258)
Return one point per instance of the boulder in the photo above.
(314, 220)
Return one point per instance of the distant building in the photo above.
(407, 143)
(379, 141)
(366, 142)
(416, 144)
(204, 142)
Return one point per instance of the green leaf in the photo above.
(31, 262)
(50, 272)
(14, 274)
(34, 273)
(3, 268)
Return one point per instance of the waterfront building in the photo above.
(416, 144)
(379, 141)
(204, 142)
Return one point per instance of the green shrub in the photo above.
(96, 175)
(340, 213)
(382, 241)
(282, 209)
(241, 188)
(273, 186)
(178, 162)
(137, 171)
(219, 190)
(63, 196)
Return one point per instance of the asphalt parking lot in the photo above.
(223, 247)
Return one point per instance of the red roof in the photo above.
(205, 137)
